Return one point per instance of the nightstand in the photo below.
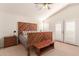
(10, 41)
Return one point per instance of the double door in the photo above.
(65, 31)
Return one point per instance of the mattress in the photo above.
(23, 40)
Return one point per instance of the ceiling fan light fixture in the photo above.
(44, 5)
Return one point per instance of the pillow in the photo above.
(24, 32)
(31, 31)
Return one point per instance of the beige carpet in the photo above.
(61, 49)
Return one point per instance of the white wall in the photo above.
(1, 31)
(69, 13)
(77, 32)
(8, 23)
(43, 25)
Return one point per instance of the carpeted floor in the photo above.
(61, 49)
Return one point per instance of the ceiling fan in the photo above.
(44, 5)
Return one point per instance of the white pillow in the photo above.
(24, 32)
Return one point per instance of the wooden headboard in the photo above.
(22, 26)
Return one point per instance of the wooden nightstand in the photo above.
(10, 41)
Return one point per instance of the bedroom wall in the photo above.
(1, 31)
(8, 23)
(69, 13)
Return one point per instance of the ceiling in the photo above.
(30, 10)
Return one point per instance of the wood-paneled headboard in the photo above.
(22, 26)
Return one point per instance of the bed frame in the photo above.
(40, 41)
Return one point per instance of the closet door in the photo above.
(69, 32)
(59, 31)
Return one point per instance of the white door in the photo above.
(59, 31)
(69, 32)
(65, 31)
